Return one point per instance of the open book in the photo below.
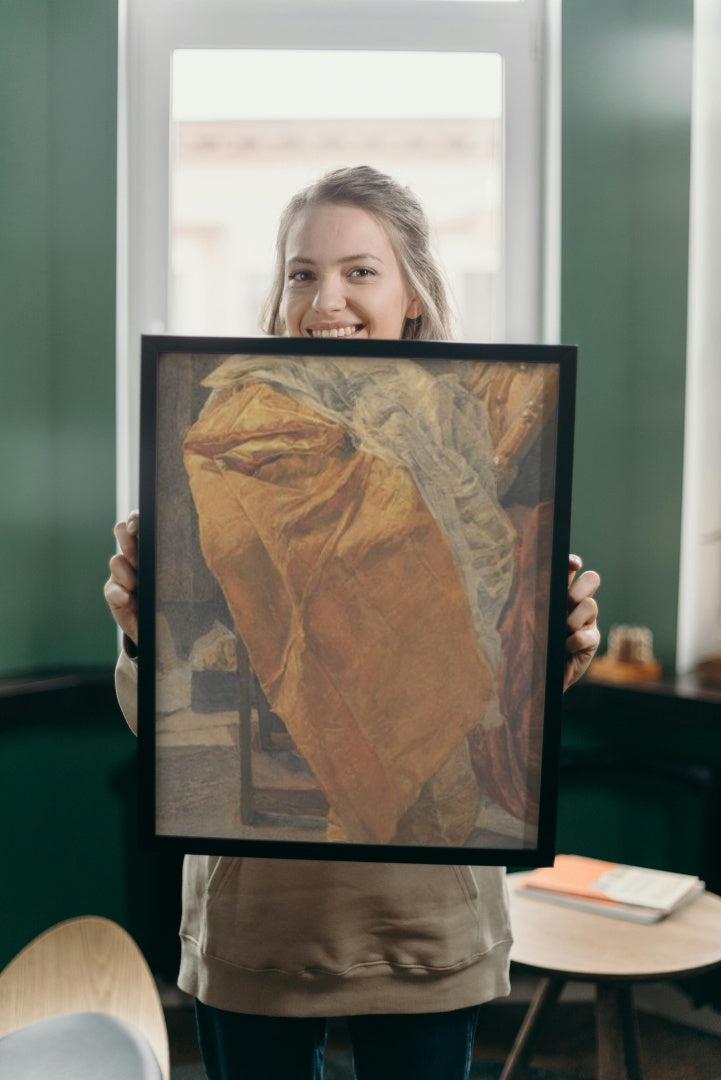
(608, 888)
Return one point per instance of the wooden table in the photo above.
(563, 944)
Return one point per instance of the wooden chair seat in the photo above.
(87, 965)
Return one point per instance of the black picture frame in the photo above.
(353, 573)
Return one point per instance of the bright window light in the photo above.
(434, 121)
(220, 84)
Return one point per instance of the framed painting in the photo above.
(352, 597)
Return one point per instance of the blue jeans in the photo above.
(414, 1046)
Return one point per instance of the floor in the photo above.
(670, 1051)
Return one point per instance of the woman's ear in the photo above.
(415, 309)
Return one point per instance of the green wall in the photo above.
(67, 786)
(66, 759)
(58, 72)
(626, 145)
(68, 804)
(641, 779)
(626, 134)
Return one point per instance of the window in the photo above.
(235, 161)
(227, 107)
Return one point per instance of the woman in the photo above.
(270, 949)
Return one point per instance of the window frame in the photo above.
(526, 34)
(699, 593)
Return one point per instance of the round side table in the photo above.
(563, 944)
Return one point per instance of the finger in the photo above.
(575, 562)
(585, 585)
(576, 666)
(584, 613)
(122, 571)
(123, 608)
(126, 534)
(118, 598)
(583, 641)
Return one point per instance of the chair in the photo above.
(255, 799)
(80, 1002)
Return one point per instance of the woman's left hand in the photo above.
(583, 636)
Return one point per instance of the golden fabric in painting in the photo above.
(346, 595)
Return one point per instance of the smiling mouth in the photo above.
(335, 331)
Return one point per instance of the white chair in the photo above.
(80, 1002)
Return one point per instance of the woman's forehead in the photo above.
(327, 229)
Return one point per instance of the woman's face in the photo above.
(342, 277)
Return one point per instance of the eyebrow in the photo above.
(362, 256)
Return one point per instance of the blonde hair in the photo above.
(403, 217)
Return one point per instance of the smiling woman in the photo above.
(353, 259)
(350, 512)
(366, 499)
(331, 292)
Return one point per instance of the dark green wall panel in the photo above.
(26, 482)
(82, 299)
(68, 800)
(626, 144)
(58, 76)
(64, 789)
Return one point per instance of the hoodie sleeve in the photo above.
(126, 688)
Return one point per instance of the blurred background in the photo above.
(623, 194)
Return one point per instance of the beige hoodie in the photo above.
(286, 937)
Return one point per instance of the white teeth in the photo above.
(335, 332)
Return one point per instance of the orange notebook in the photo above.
(631, 892)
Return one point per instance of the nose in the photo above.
(329, 296)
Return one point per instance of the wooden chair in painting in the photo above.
(270, 736)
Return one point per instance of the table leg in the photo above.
(545, 997)
(617, 1033)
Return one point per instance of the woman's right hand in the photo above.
(121, 587)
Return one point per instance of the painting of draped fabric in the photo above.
(352, 596)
